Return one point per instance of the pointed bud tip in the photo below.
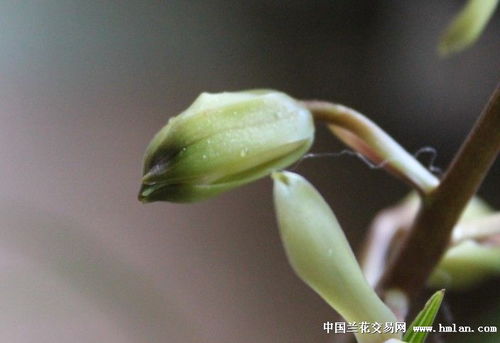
(288, 185)
(281, 176)
(143, 194)
(288, 178)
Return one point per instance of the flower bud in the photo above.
(466, 265)
(467, 26)
(223, 141)
(321, 256)
(474, 253)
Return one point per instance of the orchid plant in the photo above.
(226, 140)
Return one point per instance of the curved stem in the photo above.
(367, 138)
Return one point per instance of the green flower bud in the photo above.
(474, 253)
(467, 26)
(321, 256)
(466, 265)
(223, 141)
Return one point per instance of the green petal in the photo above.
(467, 26)
(321, 256)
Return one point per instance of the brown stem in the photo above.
(441, 209)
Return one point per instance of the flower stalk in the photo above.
(367, 138)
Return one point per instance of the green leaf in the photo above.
(467, 26)
(424, 318)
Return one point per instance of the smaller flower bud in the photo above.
(223, 141)
(320, 255)
(467, 26)
(474, 253)
(466, 265)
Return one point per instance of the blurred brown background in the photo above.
(85, 85)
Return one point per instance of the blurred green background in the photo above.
(84, 86)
